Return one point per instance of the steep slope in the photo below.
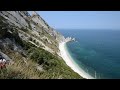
(32, 46)
(33, 28)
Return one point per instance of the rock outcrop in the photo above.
(32, 47)
(32, 28)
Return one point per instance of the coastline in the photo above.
(70, 62)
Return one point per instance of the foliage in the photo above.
(30, 39)
(24, 29)
(51, 63)
(53, 66)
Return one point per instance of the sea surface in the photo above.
(97, 52)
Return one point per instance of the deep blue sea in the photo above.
(97, 52)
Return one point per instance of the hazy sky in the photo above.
(82, 19)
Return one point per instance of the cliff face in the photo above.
(31, 47)
(33, 29)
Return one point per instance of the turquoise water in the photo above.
(97, 52)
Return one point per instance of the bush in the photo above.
(11, 46)
(2, 33)
(27, 45)
(24, 29)
(30, 39)
(41, 56)
(34, 41)
(10, 74)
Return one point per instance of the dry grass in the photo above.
(20, 70)
(25, 68)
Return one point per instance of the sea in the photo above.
(97, 52)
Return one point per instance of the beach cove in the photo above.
(70, 61)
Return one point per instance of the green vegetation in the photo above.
(29, 24)
(51, 63)
(3, 28)
(30, 39)
(53, 68)
(24, 29)
(19, 69)
(10, 73)
(25, 64)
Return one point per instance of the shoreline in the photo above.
(70, 62)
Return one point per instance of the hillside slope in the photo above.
(32, 47)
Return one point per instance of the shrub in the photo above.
(30, 39)
(11, 46)
(11, 74)
(42, 57)
(34, 41)
(24, 29)
(27, 45)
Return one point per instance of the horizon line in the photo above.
(83, 29)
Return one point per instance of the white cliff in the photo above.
(33, 26)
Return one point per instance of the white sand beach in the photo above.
(71, 63)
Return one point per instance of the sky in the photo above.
(82, 19)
